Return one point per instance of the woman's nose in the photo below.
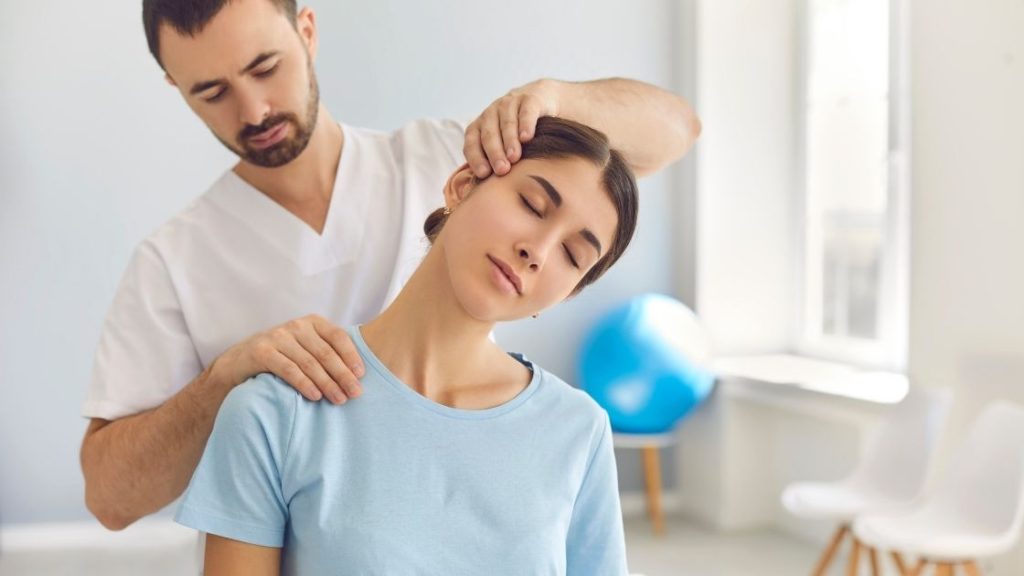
(524, 254)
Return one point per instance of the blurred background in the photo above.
(853, 207)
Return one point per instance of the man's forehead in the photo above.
(241, 31)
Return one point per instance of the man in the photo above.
(318, 225)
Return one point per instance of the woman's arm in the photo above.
(595, 545)
(227, 557)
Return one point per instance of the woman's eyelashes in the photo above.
(572, 260)
(530, 206)
(537, 213)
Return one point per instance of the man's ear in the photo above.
(458, 187)
(305, 23)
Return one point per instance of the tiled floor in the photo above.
(688, 550)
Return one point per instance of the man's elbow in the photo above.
(695, 127)
(689, 129)
(98, 505)
(108, 515)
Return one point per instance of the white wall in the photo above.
(967, 241)
(96, 151)
(746, 185)
(968, 201)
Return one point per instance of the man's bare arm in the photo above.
(136, 465)
(650, 126)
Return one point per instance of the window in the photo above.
(855, 194)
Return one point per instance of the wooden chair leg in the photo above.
(918, 568)
(898, 561)
(830, 551)
(652, 475)
(971, 568)
(873, 555)
(851, 567)
(943, 569)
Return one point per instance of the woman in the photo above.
(457, 458)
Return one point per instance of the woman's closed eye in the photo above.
(530, 206)
(568, 253)
(572, 259)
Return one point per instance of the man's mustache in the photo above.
(250, 130)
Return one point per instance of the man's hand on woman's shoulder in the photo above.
(313, 355)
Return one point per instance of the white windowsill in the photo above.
(795, 381)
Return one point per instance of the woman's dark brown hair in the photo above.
(556, 138)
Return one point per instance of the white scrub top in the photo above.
(235, 263)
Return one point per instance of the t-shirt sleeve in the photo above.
(145, 352)
(237, 490)
(596, 544)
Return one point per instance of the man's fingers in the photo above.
(529, 113)
(474, 151)
(348, 367)
(311, 367)
(490, 139)
(508, 117)
(331, 362)
(287, 370)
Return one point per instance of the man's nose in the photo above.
(253, 108)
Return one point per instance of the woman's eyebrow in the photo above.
(556, 198)
(589, 237)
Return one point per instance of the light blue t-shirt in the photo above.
(394, 483)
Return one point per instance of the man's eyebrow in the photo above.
(204, 86)
(556, 198)
(199, 87)
(259, 60)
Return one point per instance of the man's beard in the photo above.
(288, 149)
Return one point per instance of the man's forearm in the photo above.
(136, 465)
(651, 127)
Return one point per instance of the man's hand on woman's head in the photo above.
(494, 140)
(314, 356)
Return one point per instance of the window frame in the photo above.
(889, 350)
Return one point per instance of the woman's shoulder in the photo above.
(263, 397)
(569, 397)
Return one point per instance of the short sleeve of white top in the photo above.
(235, 263)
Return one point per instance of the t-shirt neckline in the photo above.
(408, 393)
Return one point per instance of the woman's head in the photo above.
(556, 222)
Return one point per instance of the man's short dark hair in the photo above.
(189, 17)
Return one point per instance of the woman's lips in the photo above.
(269, 137)
(503, 275)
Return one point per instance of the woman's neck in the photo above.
(431, 344)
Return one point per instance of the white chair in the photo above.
(890, 476)
(977, 508)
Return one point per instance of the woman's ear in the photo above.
(458, 187)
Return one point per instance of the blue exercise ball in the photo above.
(646, 362)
